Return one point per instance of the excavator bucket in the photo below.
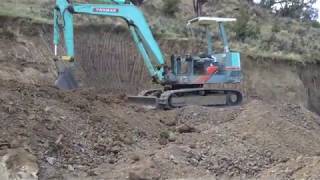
(66, 80)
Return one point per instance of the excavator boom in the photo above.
(138, 27)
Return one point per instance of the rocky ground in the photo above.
(94, 134)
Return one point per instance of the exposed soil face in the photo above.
(282, 82)
(94, 134)
(24, 52)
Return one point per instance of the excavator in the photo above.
(187, 78)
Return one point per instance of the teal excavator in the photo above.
(186, 81)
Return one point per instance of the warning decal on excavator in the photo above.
(108, 10)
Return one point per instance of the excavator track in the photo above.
(194, 96)
(199, 96)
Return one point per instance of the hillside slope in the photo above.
(270, 36)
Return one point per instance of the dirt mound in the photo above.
(98, 135)
(244, 141)
(79, 128)
(299, 168)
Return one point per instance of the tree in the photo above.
(299, 9)
(243, 28)
(267, 3)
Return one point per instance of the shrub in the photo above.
(244, 29)
(315, 24)
(170, 7)
(275, 28)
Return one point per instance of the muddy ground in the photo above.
(93, 133)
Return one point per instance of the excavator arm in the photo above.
(139, 29)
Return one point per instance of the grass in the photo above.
(24, 10)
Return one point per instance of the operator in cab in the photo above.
(214, 65)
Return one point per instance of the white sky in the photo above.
(317, 6)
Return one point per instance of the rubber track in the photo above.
(165, 99)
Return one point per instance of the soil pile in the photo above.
(91, 134)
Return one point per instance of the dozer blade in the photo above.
(151, 101)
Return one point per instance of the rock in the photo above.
(4, 145)
(51, 160)
(195, 114)
(169, 121)
(135, 157)
(3, 172)
(173, 159)
(70, 168)
(115, 149)
(92, 173)
(163, 141)
(112, 161)
(145, 171)
(184, 128)
(134, 176)
(18, 164)
(172, 137)
(193, 146)
(10, 109)
(47, 109)
(128, 140)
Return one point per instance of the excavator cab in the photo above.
(210, 67)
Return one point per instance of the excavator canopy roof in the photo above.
(209, 20)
